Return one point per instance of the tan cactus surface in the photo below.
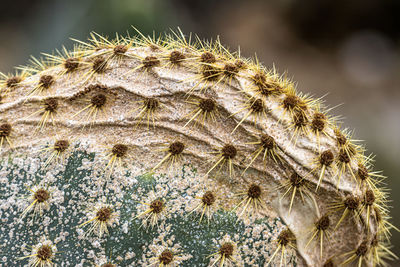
(224, 142)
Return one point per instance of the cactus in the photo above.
(144, 151)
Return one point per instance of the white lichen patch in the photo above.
(227, 252)
(41, 254)
(99, 217)
(164, 251)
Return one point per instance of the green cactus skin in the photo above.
(165, 152)
(193, 241)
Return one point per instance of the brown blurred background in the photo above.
(346, 48)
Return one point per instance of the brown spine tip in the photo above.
(176, 148)
(119, 150)
(329, 263)
(104, 214)
(267, 141)
(207, 105)
(108, 265)
(154, 47)
(208, 198)
(166, 257)
(375, 241)
(254, 191)
(362, 172)
(326, 158)
(71, 64)
(151, 103)
(208, 57)
(13, 81)
(226, 250)
(362, 249)
(259, 79)
(150, 61)
(41, 195)
(318, 122)
(176, 57)
(46, 81)
(240, 64)
(340, 138)
(229, 151)
(378, 215)
(284, 237)
(300, 119)
(351, 202)
(97, 86)
(210, 73)
(5, 130)
(343, 156)
(257, 106)
(369, 197)
(296, 180)
(230, 69)
(157, 206)
(290, 102)
(89, 88)
(265, 88)
(50, 104)
(323, 223)
(99, 65)
(61, 145)
(98, 100)
(120, 49)
(44, 253)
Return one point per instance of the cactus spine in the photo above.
(142, 151)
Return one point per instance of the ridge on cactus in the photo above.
(174, 151)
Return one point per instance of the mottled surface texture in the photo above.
(141, 151)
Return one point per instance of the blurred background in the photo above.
(349, 49)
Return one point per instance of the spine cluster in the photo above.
(148, 107)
